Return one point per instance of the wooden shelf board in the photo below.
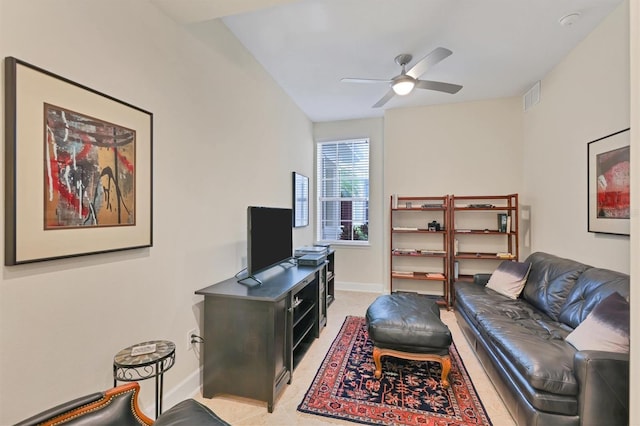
(486, 256)
(419, 276)
(438, 255)
(482, 232)
(418, 231)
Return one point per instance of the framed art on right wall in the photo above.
(608, 184)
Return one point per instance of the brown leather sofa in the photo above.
(543, 379)
(119, 407)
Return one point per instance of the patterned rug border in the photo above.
(456, 359)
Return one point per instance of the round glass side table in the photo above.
(144, 361)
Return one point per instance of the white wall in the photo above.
(359, 268)
(584, 98)
(472, 148)
(217, 148)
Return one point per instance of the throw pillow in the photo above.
(606, 328)
(509, 278)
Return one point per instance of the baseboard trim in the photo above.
(188, 388)
(363, 287)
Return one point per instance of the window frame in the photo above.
(321, 199)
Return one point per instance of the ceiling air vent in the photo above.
(532, 96)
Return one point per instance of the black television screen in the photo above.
(269, 237)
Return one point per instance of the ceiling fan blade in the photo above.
(437, 55)
(384, 99)
(364, 80)
(438, 86)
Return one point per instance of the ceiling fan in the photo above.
(406, 81)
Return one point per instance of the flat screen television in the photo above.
(269, 237)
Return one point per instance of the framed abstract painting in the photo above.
(608, 185)
(78, 172)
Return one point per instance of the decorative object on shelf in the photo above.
(433, 226)
(608, 184)
(91, 155)
(300, 200)
(502, 222)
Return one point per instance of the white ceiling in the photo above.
(500, 47)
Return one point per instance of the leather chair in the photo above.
(118, 406)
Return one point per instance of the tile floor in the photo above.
(238, 411)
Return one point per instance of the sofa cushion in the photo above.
(550, 280)
(606, 328)
(593, 285)
(509, 277)
(536, 348)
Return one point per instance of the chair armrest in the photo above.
(481, 279)
(116, 406)
(603, 378)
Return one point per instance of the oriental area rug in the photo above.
(409, 392)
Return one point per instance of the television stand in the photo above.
(254, 337)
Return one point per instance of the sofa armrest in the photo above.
(116, 406)
(481, 279)
(603, 378)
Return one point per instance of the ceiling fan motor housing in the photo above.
(403, 59)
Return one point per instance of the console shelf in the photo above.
(255, 337)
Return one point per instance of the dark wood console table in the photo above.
(254, 337)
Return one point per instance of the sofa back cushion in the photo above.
(550, 280)
(593, 285)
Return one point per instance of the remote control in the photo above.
(143, 349)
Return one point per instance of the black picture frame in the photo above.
(608, 210)
(30, 92)
(300, 200)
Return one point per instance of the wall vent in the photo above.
(532, 96)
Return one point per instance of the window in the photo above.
(343, 191)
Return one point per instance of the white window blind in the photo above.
(343, 191)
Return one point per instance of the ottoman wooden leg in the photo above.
(377, 353)
(446, 368)
(444, 361)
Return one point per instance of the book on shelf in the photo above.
(405, 228)
(402, 273)
(505, 255)
(394, 201)
(404, 251)
(508, 228)
(431, 252)
(435, 275)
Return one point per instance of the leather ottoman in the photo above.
(408, 326)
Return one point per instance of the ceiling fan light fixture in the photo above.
(403, 85)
